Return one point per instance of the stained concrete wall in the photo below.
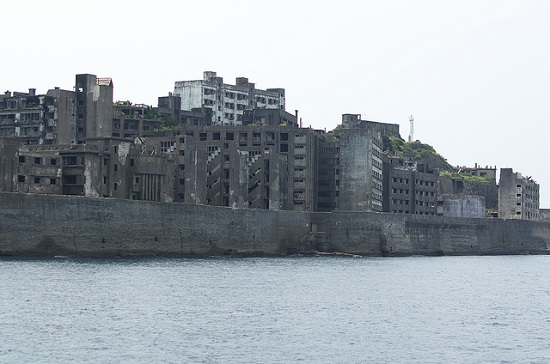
(33, 224)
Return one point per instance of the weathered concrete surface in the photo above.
(48, 225)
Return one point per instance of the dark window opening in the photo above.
(69, 180)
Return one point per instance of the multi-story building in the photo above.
(131, 121)
(360, 167)
(59, 116)
(487, 172)
(8, 164)
(328, 174)
(410, 186)
(103, 167)
(518, 196)
(228, 102)
(228, 145)
(244, 166)
(457, 188)
(28, 117)
(94, 111)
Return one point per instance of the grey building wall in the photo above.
(8, 164)
(410, 186)
(94, 107)
(27, 117)
(468, 206)
(518, 196)
(65, 116)
(459, 186)
(33, 224)
(103, 167)
(244, 166)
(360, 169)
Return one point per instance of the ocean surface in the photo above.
(276, 310)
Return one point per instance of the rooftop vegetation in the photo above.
(416, 149)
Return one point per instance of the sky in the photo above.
(475, 75)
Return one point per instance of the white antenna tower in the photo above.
(411, 135)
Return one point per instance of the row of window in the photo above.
(425, 193)
(400, 190)
(424, 183)
(37, 160)
(427, 204)
(400, 202)
(37, 180)
(400, 180)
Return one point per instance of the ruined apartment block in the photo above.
(410, 186)
(518, 196)
(27, 117)
(244, 167)
(227, 102)
(360, 168)
(134, 121)
(94, 115)
(59, 116)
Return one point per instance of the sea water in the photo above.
(276, 310)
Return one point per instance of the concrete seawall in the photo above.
(45, 225)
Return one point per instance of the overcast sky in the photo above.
(474, 74)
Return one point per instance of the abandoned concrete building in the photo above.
(130, 121)
(189, 149)
(28, 117)
(410, 186)
(469, 193)
(518, 196)
(103, 167)
(59, 116)
(228, 102)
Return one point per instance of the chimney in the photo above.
(32, 92)
(7, 93)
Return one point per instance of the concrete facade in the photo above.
(518, 196)
(60, 116)
(94, 118)
(244, 166)
(467, 206)
(105, 167)
(134, 121)
(360, 168)
(28, 117)
(228, 102)
(410, 186)
(458, 186)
